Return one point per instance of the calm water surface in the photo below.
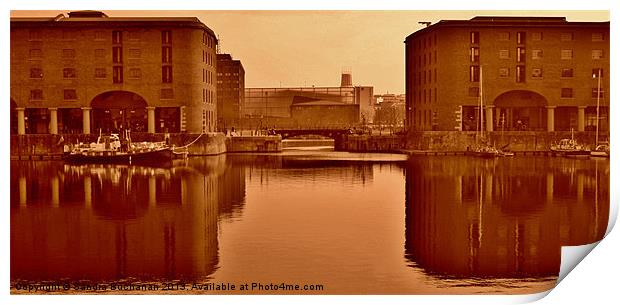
(355, 223)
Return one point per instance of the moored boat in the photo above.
(601, 150)
(569, 147)
(109, 149)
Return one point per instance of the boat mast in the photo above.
(598, 97)
(480, 103)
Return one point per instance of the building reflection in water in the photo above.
(111, 222)
(504, 218)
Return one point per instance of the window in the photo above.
(68, 34)
(537, 36)
(520, 37)
(504, 54)
(135, 53)
(68, 73)
(134, 35)
(117, 75)
(504, 36)
(566, 36)
(166, 37)
(537, 73)
(537, 54)
(601, 93)
(520, 54)
(117, 55)
(567, 72)
(36, 95)
(135, 73)
(567, 92)
(35, 34)
(68, 53)
(166, 54)
(596, 72)
(99, 35)
(474, 91)
(474, 37)
(566, 54)
(504, 72)
(70, 94)
(167, 94)
(166, 74)
(36, 73)
(36, 53)
(99, 53)
(100, 73)
(520, 74)
(474, 73)
(597, 37)
(474, 54)
(597, 54)
(117, 37)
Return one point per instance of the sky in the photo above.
(305, 48)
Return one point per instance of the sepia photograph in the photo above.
(305, 152)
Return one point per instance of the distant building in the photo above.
(230, 90)
(277, 103)
(389, 109)
(86, 71)
(533, 73)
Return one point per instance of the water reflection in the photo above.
(110, 222)
(502, 218)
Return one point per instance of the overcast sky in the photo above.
(304, 48)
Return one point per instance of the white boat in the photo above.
(601, 150)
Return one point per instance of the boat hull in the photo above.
(108, 157)
(571, 153)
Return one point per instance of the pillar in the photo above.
(489, 118)
(86, 120)
(581, 118)
(550, 118)
(53, 129)
(150, 111)
(21, 121)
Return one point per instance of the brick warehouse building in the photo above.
(230, 90)
(538, 74)
(87, 72)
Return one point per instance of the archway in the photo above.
(13, 117)
(114, 111)
(520, 110)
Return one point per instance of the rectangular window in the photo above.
(99, 35)
(99, 53)
(537, 36)
(117, 37)
(36, 95)
(166, 74)
(117, 55)
(537, 73)
(601, 93)
(100, 73)
(68, 73)
(597, 54)
(567, 72)
(566, 36)
(135, 73)
(70, 94)
(36, 73)
(597, 37)
(474, 54)
(566, 54)
(166, 37)
(68, 34)
(117, 75)
(135, 53)
(504, 72)
(167, 94)
(474, 37)
(520, 54)
(596, 72)
(36, 53)
(520, 37)
(504, 54)
(520, 74)
(166, 54)
(537, 54)
(68, 53)
(134, 35)
(504, 36)
(567, 92)
(474, 91)
(474, 73)
(35, 35)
